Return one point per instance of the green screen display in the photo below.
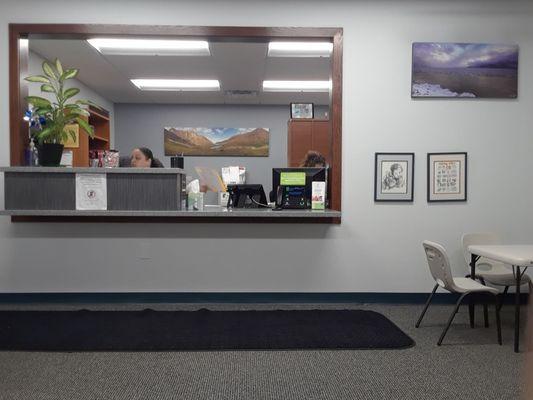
(292, 179)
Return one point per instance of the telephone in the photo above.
(291, 197)
(246, 196)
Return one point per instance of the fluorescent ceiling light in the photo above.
(150, 47)
(177, 84)
(296, 86)
(299, 49)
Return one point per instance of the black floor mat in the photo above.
(151, 330)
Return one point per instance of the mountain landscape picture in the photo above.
(464, 70)
(244, 142)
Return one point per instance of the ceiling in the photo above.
(238, 67)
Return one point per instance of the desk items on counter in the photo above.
(104, 158)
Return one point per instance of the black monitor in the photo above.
(292, 187)
(246, 196)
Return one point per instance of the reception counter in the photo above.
(44, 194)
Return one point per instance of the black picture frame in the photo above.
(432, 197)
(379, 195)
(293, 116)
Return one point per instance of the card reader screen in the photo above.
(292, 179)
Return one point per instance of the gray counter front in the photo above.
(128, 189)
(133, 194)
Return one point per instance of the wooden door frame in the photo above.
(19, 55)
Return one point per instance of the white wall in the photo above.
(378, 246)
(35, 68)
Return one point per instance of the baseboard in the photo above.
(236, 297)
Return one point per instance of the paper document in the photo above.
(210, 180)
(91, 192)
(234, 175)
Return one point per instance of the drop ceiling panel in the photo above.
(297, 69)
(240, 66)
(165, 67)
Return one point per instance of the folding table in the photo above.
(520, 257)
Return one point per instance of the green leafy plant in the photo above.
(59, 113)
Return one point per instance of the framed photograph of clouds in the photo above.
(447, 176)
(464, 70)
(394, 176)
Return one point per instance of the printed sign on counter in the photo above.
(91, 192)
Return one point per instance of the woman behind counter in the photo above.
(142, 157)
(313, 159)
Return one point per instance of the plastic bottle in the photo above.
(34, 155)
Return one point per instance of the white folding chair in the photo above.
(439, 266)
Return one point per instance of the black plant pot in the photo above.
(50, 154)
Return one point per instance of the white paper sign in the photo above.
(91, 192)
(66, 158)
(234, 175)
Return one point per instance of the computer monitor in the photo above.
(246, 196)
(292, 187)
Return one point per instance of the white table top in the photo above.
(518, 255)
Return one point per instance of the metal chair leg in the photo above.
(471, 313)
(500, 303)
(426, 306)
(498, 321)
(456, 308)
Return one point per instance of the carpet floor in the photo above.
(469, 365)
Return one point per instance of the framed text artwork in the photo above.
(394, 176)
(447, 177)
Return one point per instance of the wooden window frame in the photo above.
(19, 56)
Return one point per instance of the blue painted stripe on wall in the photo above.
(233, 297)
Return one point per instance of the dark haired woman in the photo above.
(142, 157)
(313, 159)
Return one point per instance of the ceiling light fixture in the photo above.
(296, 86)
(300, 49)
(150, 47)
(177, 84)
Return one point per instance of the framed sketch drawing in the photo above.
(447, 174)
(393, 176)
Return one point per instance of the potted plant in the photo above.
(58, 113)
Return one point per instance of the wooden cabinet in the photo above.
(99, 119)
(306, 135)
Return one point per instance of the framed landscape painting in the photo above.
(464, 70)
(241, 142)
(447, 176)
(393, 176)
